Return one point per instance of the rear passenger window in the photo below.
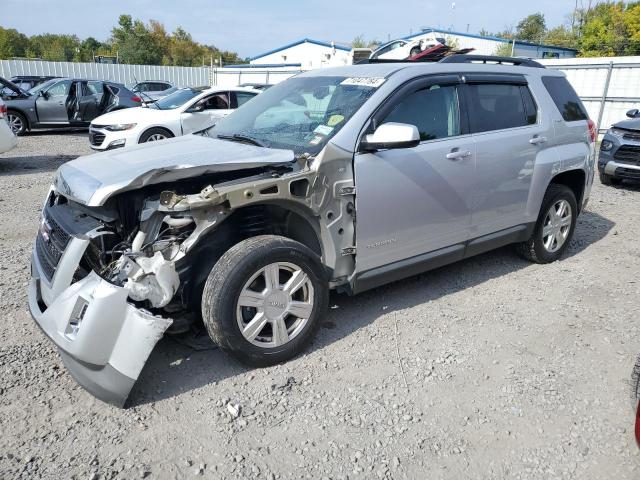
(499, 106)
(433, 110)
(565, 98)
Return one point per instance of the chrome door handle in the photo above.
(457, 154)
(537, 140)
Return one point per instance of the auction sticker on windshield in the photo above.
(373, 82)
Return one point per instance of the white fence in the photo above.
(607, 86)
(180, 76)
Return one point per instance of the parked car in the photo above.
(185, 111)
(151, 91)
(64, 102)
(620, 151)
(402, 49)
(248, 227)
(635, 397)
(8, 140)
(257, 86)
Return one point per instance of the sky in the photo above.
(250, 27)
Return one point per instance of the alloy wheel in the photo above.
(155, 137)
(556, 226)
(15, 123)
(274, 305)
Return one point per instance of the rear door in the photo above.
(240, 98)
(508, 135)
(89, 101)
(52, 106)
(416, 200)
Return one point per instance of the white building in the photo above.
(305, 54)
(485, 45)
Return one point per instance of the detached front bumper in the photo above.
(103, 340)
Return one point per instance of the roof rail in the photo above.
(519, 62)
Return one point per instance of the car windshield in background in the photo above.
(43, 86)
(301, 114)
(176, 99)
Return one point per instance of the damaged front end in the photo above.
(114, 269)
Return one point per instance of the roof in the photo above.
(486, 37)
(299, 42)
(263, 65)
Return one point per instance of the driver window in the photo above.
(60, 89)
(434, 110)
(95, 88)
(219, 101)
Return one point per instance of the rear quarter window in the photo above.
(565, 98)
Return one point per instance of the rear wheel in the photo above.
(17, 122)
(608, 180)
(155, 134)
(264, 298)
(554, 227)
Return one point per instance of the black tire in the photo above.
(608, 180)
(414, 51)
(149, 134)
(226, 281)
(534, 249)
(14, 117)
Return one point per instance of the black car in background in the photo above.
(63, 102)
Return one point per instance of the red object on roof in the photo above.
(437, 53)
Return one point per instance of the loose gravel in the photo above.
(491, 368)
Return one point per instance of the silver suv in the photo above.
(343, 178)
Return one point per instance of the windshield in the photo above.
(43, 86)
(300, 114)
(176, 99)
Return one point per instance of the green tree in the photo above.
(504, 49)
(531, 28)
(12, 43)
(134, 42)
(54, 47)
(606, 31)
(561, 36)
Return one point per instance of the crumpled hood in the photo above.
(92, 179)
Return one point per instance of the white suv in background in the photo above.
(8, 140)
(185, 111)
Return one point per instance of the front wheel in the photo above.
(154, 135)
(554, 227)
(17, 122)
(264, 298)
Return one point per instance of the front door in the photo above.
(213, 107)
(416, 200)
(52, 106)
(508, 136)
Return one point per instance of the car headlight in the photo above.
(617, 132)
(120, 127)
(606, 145)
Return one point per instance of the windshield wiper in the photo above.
(237, 137)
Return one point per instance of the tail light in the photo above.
(593, 132)
(3, 110)
(136, 99)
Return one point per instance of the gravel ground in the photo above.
(488, 369)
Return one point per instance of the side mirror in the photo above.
(44, 94)
(198, 107)
(633, 113)
(391, 135)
